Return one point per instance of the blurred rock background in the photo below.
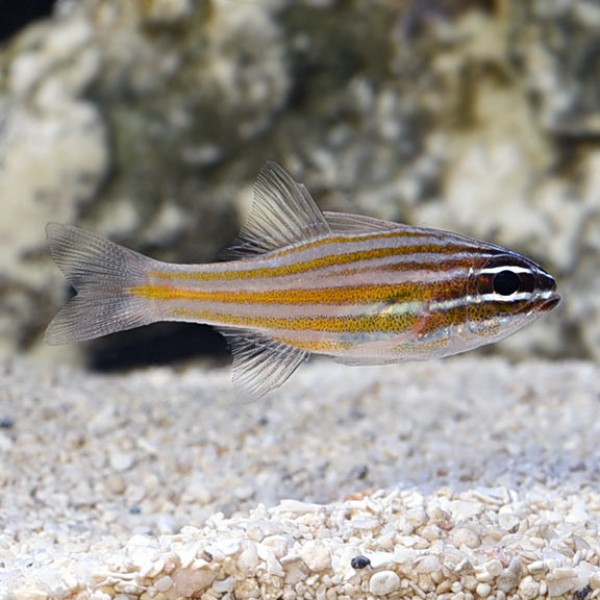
(148, 120)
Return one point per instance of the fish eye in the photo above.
(506, 283)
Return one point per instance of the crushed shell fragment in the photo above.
(295, 551)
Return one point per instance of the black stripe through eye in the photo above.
(506, 283)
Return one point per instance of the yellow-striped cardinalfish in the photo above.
(301, 281)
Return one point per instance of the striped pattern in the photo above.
(357, 288)
(410, 285)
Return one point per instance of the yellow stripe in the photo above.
(300, 267)
(333, 239)
(346, 295)
(276, 271)
(318, 346)
(386, 321)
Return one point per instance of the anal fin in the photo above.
(260, 363)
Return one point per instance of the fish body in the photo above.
(301, 281)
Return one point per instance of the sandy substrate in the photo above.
(464, 478)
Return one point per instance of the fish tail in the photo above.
(102, 273)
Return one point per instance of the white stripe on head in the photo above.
(501, 268)
(516, 269)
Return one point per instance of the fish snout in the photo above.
(545, 285)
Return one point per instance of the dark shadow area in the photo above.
(16, 14)
(158, 344)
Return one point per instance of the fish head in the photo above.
(508, 291)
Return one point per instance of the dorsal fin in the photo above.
(260, 363)
(283, 213)
(348, 223)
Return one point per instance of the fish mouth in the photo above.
(546, 285)
(548, 305)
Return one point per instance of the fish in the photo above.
(298, 281)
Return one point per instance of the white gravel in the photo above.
(466, 478)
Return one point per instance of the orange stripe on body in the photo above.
(319, 346)
(383, 321)
(301, 267)
(396, 293)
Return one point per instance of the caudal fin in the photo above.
(101, 272)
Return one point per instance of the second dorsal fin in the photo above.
(349, 223)
(283, 213)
